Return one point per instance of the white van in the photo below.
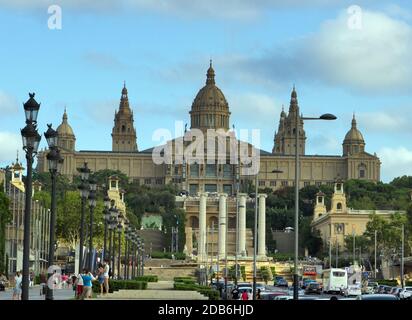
(335, 280)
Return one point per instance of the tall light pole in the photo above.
(55, 162)
(31, 140)
(119, 231)
(106, 216)
(92, 205)
(402, 255)
(256, 229)
(326, 116)
(84, 194)
(375, 252)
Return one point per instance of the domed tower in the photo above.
(210, 109)
(67, 139)
(353, 142)
(124, 133)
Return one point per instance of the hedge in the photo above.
(408, 283)
(205, 290)
(182, 279)
(115, 285)
(168, 255)
(149, 278)
(387, 282)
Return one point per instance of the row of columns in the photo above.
(223, 226)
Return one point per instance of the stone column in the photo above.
(202, 228)
(262, 226)
(222, 225)
(242, 224)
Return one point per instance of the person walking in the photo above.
(245, 296)
(43, 284)
(79, 286)
(18, 279)
(258, 295)
(235, 293)
(106, 275)
(100, 277)
(87, 284)
(31, 278)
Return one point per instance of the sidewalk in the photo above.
(34, 294)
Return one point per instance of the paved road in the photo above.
(34, 294)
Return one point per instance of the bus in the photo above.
(334, 280)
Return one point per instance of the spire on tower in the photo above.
(210, 76)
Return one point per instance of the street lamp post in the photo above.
(92, 205)
(31, 140)
(119, 231)
(326, 116)
(126, 249)
(55, 162)
(84, 194)
(106, 216)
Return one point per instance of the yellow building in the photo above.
(340, 221)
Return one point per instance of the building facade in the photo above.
(340, 221)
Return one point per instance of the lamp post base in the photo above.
(295, 287)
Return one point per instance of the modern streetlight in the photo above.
(31, 140)
(326, 116)
(55, 162)
(84, 194)
(92, 205)
(106, 217)
(256, 228)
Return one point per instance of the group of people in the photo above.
(82, 283)
(244, 295)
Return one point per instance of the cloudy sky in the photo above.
(342, 59)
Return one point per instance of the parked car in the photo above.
(271, 295)
(280, 282)
(395, 291)
(377, 297)
(353, 290)
(406, 293)
(283, 298)
(306, 282)
(382, 289)
(313, 287)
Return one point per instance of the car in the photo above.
(377, 296)
(406, 293)
(306, 282)
(313, 287)
(353, 290)
(395, 291)
(382, 289)
(271, 295)
(281, 282)
(283, 298)
(260, 286)
(301, 292)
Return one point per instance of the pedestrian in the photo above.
(258, 294)
(87, 277)
(79, 286)
(31, 279)
(235, 293)
(43, 284)
(18, 279)
(100, 277)
(106, 275)
(250, 295)
(245, 296)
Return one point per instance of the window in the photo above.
(227, 188)
(319, 199)
(123, 128)
(176, 180)
(227, 170)
(159, 180)
(122, 142)
(194, 170)
(193, 189)
(210, 188)
(210, 170)
(176, 170)
(318, 183)
(284, 183)
(273, 183)
(306, 183)
(362, 173)
(339, 206)
(147, 181)
(261, 183)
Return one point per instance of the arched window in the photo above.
(123, 128)
(194, 222)
(339, 206)
(213, 221)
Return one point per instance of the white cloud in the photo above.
(8, 104)
(395, 120)
(373, 59)
(395, 162)
(9, 144)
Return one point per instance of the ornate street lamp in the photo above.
(31, 140)
(106, 216)
(92, 205)
(84, 194)
(127, 230)
(119, 231)
(55, 162)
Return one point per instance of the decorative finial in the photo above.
(210, 76)
(210, 62)
(31, 95)
(17, 157)
(124, 83)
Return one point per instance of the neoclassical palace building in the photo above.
(212, 186)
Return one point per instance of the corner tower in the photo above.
(67, 139)
(124, 133)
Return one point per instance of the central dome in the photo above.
(210, 109)
(64, 129)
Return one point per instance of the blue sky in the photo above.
(259, 50)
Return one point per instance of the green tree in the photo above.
(5, 218)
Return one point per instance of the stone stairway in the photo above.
(162, 290)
